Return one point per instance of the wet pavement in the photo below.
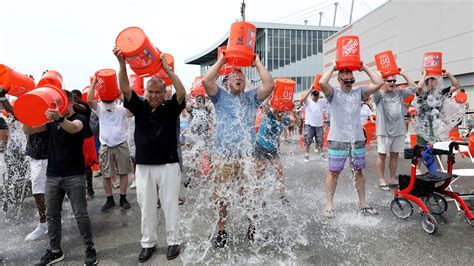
(299, 233)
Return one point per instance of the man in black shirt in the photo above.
(65, 175)
(156, 155)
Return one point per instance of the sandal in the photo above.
(369, 210)
(180, 201)
(384, 187)
(329, 214)
(393, 185)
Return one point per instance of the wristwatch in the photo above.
(60, 120)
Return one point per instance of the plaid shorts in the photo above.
(338, 152)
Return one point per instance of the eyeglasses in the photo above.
(348, 81)
(391, 80)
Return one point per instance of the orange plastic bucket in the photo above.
(107, 85)
(241, 43)
(198, 89)
(282, 98)
(85, 94)
(141, 55)
(225, 69)
(412, 140)
(461, 97)
(409, 98)
(348, 53)
(316, 86)
(136, 83)
(433, 63)
(470, 143)
(454, 135)
(162, 74)
(15, 83)
(51, 78)
(30, 108)
(386, 64)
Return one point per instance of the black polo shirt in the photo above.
(155, 131)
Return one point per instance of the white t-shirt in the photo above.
(314, 112)
(112, 121)
(365, 112)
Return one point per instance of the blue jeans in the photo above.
(55, 190)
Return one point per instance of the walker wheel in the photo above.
(436, 203)
(469, 221)
(401, 208)
(429, 223)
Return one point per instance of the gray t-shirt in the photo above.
(345, 115)
(390, 114)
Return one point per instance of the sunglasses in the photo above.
(391, 80)
(348, 81)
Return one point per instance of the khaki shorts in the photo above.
(387, 145)
(115, 160)
(226, 171)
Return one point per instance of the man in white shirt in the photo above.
(313, 122)
(114, 155)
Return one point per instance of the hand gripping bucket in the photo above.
(433, 63)
(282, 98)
(162, 74)
(348, 53)
(198, 89)
(106, 84)
(225, 69)
(316, 86)
(141, 55)
(241, 43)
(30, 108)
(15, 83)
(51, 78)
(85, 94)
(386, 64)
(136, 83)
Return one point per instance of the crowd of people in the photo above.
(140, 136)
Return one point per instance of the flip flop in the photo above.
(384, 187)
(369, 210)
(393, 185)
(329, 214)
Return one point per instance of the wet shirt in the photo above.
(112, 121)
(155, 130)
(314, 112)
(235, 122)
(390, 111)
(345, 115)
(270, 130)
(365, 112)
(37, 146)
(429, 109)
(65, 157)
(87, 114)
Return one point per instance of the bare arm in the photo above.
(90, 96)
(267, 86)
(421, 83)
(324, 81)
(454, 82)
(376, 81)
(33, 130)
(71, 127)
(4, 101)
(177, 84)
(209, 79)
(408, 79)
(124, 84)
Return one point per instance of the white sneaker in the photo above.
(41, 229)
(133, 184)
(306, 158)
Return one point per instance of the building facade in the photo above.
(287, 51)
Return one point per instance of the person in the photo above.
(366, 112)
(114, 156)
(65, 176)
(235, 111)
(8, 109)
(156, 155)
(346, 137)
(390, 126)
(266, 148)
(313, 122)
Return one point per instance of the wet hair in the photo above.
(156, 80)
(343, 71)
(462, 90)
(428, 80)
(315, 93)
(76, 93)
(70, 98)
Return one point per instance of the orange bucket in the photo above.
(282, 98)
(162, 74)
(316, 86)
(198, 89)
(225, 69)
(413, 140)
(85, 93)
(30, 108)
(141, 55)
(454, 135)
(51, 78)
(106, 84)
(241, 43)
(136, 82)
(386, 64)
(15, 83)
(461, 97)
(409, 98)
(433, 63)
(348, 53)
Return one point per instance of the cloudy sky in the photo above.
(76, 37)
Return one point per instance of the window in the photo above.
(298, 45)
(320, 46)
(304, 44)
(314, 42)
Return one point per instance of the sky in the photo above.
(76, 38)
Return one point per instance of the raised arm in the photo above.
(28, 130)
(177, 84)
(454, 82)
(421, 83)
(71, 127)
(376, 81)
(124, 84)
(408, 79)
(324, 81)
(267, 86)
(4, 101)
(90, 96)
(209, 79)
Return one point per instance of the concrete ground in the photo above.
(296, 234)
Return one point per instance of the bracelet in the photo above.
(60, 120)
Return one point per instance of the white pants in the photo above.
(38, 175)
(168, 178)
